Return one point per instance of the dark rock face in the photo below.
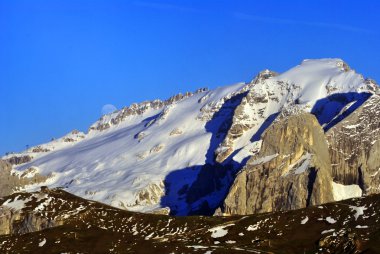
(354, 147)
(39, 149)
(26, 214)
(12, 222)
(291, 171)
(17, 160)
(8, 181)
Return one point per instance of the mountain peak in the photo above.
(162, 153)
(338, 62)
(263, 75)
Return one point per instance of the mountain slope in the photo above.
(183, 153)
(54, 221)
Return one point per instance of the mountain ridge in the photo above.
(54, 221)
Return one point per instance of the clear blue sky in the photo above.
(61, 61)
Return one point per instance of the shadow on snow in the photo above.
(334, 108)
(200, 189)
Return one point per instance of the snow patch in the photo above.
(327, 231)
(42, 243)
(44, 204)
(264, 159)
(330, 220)
(305, 220)
(352, 126)
(257, 225)
(247, 151)
(16, 204)
(219, 231)
(300, 166)
(305, 164)
(359, 210)
(197, 247)
(341, 192)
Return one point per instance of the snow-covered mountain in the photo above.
(183, 153)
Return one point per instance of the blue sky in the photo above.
(61, 61)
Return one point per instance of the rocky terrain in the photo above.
(354, 146)
(292, 170)
(54, 221)
(11, 182)
(281, 142)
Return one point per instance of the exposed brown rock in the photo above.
(17, 160)
(40, 149)
(354, 146)
(74, 132)
(10, 182)
(140, 108)
(162, 211)
(157, 148)
(150, 195)
(18, 222)
(176, 132)
(265, 74)
(291, 171)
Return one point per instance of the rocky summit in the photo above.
(285, 149)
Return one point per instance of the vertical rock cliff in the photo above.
(354, 146)
(291, 171)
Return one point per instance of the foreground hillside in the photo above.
(54, 221)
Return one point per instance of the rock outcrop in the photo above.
(18, 222)
(11, 182)
(354, 146)
(17, 160)
(105, 122)
(30, 212)
(246, 115)
(291, 171)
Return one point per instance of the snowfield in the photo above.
(134, 162)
